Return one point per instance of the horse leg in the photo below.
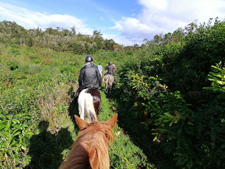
(111, 81)
(110, 88)
(106, 86)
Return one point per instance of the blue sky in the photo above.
(125, 21)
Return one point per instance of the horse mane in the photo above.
(90, 148)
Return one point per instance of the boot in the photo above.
(75, 99)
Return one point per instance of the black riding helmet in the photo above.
(110, 63)
(88, 59)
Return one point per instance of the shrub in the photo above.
(13, 65)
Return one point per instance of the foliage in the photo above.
(31, 93)
(13, 65)
(187, 70)
(161, 91)
(15, 133)
(217, 77)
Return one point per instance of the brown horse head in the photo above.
(90, 150)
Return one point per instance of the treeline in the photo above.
(172, 97)
(61, 40)
(57, 39)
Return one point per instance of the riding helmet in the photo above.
(88, 59)
(110, 63)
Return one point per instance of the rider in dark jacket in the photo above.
(89, 76)
(110, 69)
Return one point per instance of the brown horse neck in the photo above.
(90, 150)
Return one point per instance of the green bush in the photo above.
(217, 77)
(15, 132)
(166, 105)
(13, 65)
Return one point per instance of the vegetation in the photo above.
(163, 91)
(169, 95)
(36, 122)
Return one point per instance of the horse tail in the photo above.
(89, 104)
(111, 80)
(92, 117)
(107, 81)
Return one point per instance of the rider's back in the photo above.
(89, 76)
(110, 69)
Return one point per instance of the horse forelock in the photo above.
(97, 128)
(96, 136)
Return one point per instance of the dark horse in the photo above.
(89, 104)
(90, 150)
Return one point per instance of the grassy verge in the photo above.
(123, 153)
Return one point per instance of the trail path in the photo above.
(123, 153)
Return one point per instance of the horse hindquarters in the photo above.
(86, 106)
(108, 83)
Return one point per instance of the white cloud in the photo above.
(163, 16)
(119, 39)
(30, 19)
(158, 5)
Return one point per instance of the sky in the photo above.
(127, 22)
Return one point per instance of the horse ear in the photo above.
(80, 122)
(112, 122)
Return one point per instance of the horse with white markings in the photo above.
(89, 104)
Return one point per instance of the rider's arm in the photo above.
(99, 78)
(81, 77)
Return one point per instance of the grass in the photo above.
(123, 153)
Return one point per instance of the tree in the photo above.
(73, 30)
